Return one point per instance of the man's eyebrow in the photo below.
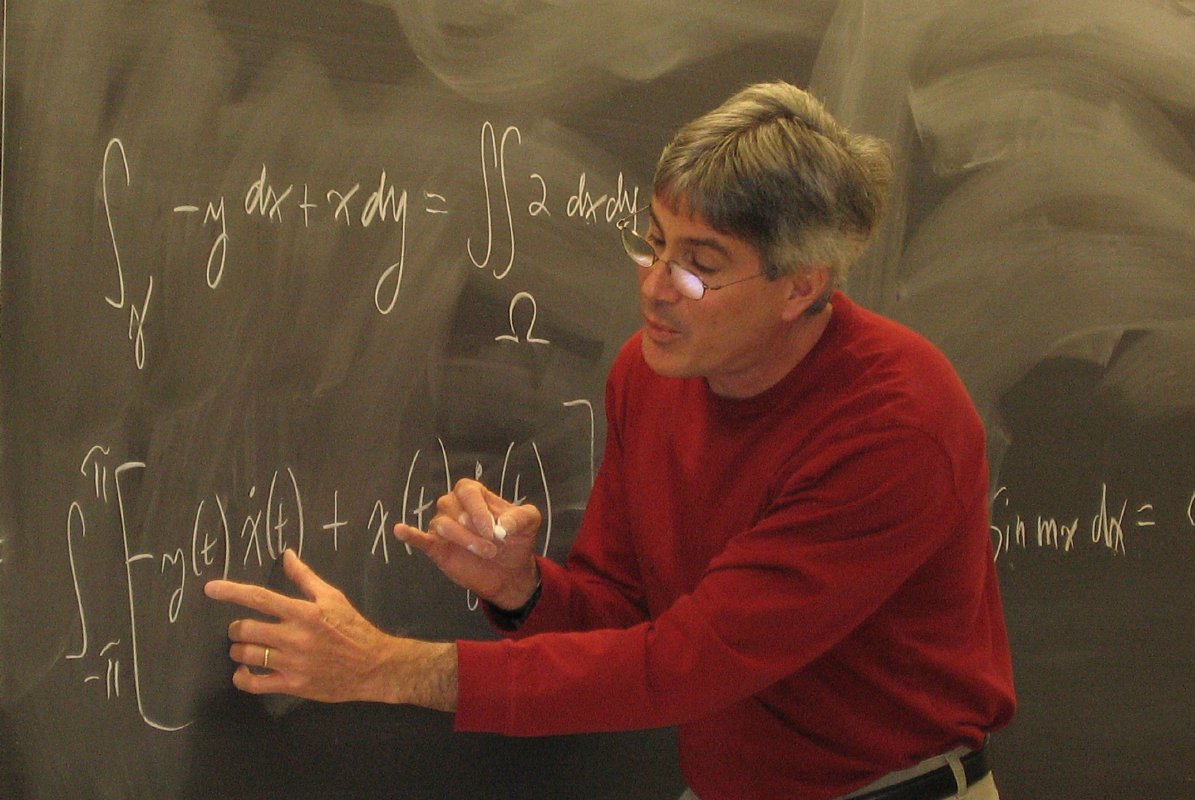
(693, 241)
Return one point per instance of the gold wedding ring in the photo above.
(265, 659)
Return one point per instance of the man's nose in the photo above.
(655, 282)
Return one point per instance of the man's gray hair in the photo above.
(772, 167)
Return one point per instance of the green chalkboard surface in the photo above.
(275, 273)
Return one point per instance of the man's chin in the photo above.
(662, 360)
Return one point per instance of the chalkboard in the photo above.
(273, 273)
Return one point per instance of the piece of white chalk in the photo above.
(499, 531)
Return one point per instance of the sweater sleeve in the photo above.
(845, 534)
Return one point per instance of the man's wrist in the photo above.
(426, 675)
(517, 598)
(512, 618)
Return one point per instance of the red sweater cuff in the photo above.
(484, 680)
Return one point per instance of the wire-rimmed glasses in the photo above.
(683, 278)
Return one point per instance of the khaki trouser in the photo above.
(984, 790)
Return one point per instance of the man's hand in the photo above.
(321, 648)
(462, 541)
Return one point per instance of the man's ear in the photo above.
(805, 288)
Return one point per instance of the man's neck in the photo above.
(791, 346)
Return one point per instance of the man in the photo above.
(786, 550)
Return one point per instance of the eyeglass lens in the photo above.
(643, 254)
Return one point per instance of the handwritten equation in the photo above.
(355, 205)
(221, 544)
(1110, 526)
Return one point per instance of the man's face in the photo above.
(735, 337)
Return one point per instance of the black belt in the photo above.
(938, 784)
